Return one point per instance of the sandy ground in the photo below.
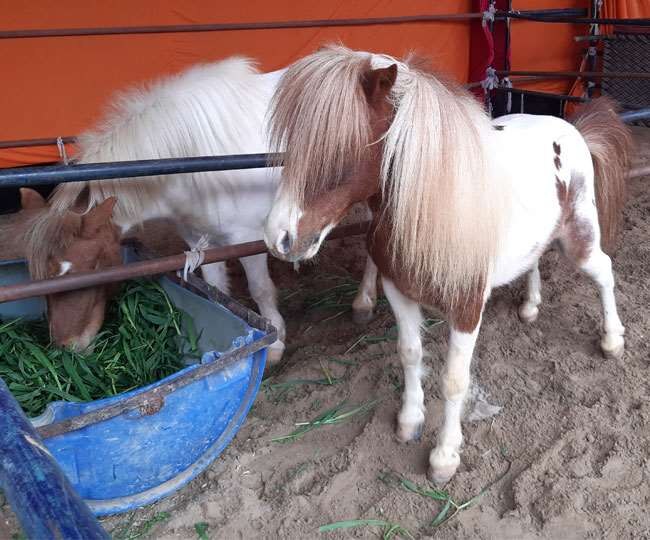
(569, 447)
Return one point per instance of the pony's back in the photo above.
(210, 109)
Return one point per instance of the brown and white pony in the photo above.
(461, 204)
(67, 242)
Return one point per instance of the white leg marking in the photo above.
(409, 318)
(366, 298)
(263, 292)
(529, 310)
(216, 274)
(599, 267)
(444, 459)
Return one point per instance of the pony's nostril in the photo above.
(284, 243)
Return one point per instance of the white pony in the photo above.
(211, 109)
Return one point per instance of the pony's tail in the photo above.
(610, 144)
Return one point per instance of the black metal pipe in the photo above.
(268, 25)
(562, 97)
(634, 116)
(30, 176)
(522, 15)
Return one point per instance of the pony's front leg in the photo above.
(264, 294)
(444, 459)
(409, 318)
(366, 298)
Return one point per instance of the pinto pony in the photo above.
(461, 204)
(210, 109)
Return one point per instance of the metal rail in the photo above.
(276, 25)
(30, 176)
(160, 265)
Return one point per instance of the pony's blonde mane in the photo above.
(318, 122)
(445, 207)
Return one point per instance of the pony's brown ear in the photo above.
(98, 216)
(31, 200)
(377, 83)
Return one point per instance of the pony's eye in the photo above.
(64, 268)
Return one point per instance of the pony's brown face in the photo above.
(293, 231)
(88, 241)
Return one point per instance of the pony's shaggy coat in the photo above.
(322, 120)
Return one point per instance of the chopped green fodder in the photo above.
(335, 415)
(128, 532)
(201, 530)
(389, 529)
(144, 339)
(450, 507)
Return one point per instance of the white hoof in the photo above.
(409, 427)
(613, 346)
(528, 312)
(443, 464)
(274, 353)
(362, 316)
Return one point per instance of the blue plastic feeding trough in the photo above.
(132, 449)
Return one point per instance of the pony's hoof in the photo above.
(362, 316)
(442, 466)
(528, 312)
(274, 353)
(409, 432)
(613, 346)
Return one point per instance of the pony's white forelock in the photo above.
(445, 205)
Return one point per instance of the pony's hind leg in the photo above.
(445, 459)
(366, 299)
(598, 266)
(409, 318)
(529, 308)
(264, 294)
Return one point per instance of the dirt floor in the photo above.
(566, 457)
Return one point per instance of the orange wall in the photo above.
(59, 86)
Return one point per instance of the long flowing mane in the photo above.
(445, 206)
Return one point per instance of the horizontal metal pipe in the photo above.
(24, 143)
(633, 116)
(29, 176)
(226, 27)
(573, 74)
(114, 274)
(564, 97)
(639, 171)
(277, 25)
(522, 15)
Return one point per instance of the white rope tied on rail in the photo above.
(488, 14)
(62, 153)
(194, 257)
(491, 80)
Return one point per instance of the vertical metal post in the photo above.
(40, 494)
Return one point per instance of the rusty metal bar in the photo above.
(145, 268)
(24, 143)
